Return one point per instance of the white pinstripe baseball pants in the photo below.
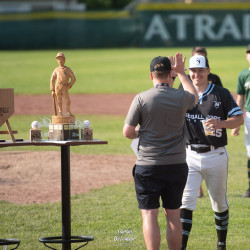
(211, 166)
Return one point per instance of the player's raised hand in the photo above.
(178, 63)
(178, 66)
(172, 60)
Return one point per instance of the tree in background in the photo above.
(105, 4)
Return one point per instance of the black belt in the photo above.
(201, 149)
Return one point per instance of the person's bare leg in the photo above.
(174, 229)
(151, 230)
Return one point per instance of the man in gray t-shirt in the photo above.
(161, 169)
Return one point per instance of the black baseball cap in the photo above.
(164, 62)
(248, 48)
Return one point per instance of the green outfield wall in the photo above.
(150, 25)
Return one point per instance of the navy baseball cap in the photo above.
(198, 62)
(163, 64)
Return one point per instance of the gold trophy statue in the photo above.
(63, 125)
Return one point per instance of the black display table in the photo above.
(7, 242)
(66, 239)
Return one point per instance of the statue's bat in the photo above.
(54, 103)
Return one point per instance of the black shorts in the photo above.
(165, 181)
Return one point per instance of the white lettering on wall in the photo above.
(181, 25)
(203, 26)
(229, 27)
(157, 28)
(246, 26)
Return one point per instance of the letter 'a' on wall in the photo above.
(6, 104)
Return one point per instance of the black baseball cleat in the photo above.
(247, 194)
(221, 246)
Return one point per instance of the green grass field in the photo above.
(102, 213)
(106, 212)
(106, 71)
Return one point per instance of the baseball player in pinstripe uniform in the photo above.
(207, 156)
(213, 78)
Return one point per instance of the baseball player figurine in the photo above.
(207, 156)
(243, 100)
(62, 74)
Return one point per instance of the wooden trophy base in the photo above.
(63, 132)
(63, 128)
(63, 119)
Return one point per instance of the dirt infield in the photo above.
(25, 177)
(111, 104)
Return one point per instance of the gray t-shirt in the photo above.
(160, 112)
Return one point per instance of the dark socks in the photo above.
(221, 221)
(186, 219)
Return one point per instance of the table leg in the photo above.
(65, 189)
